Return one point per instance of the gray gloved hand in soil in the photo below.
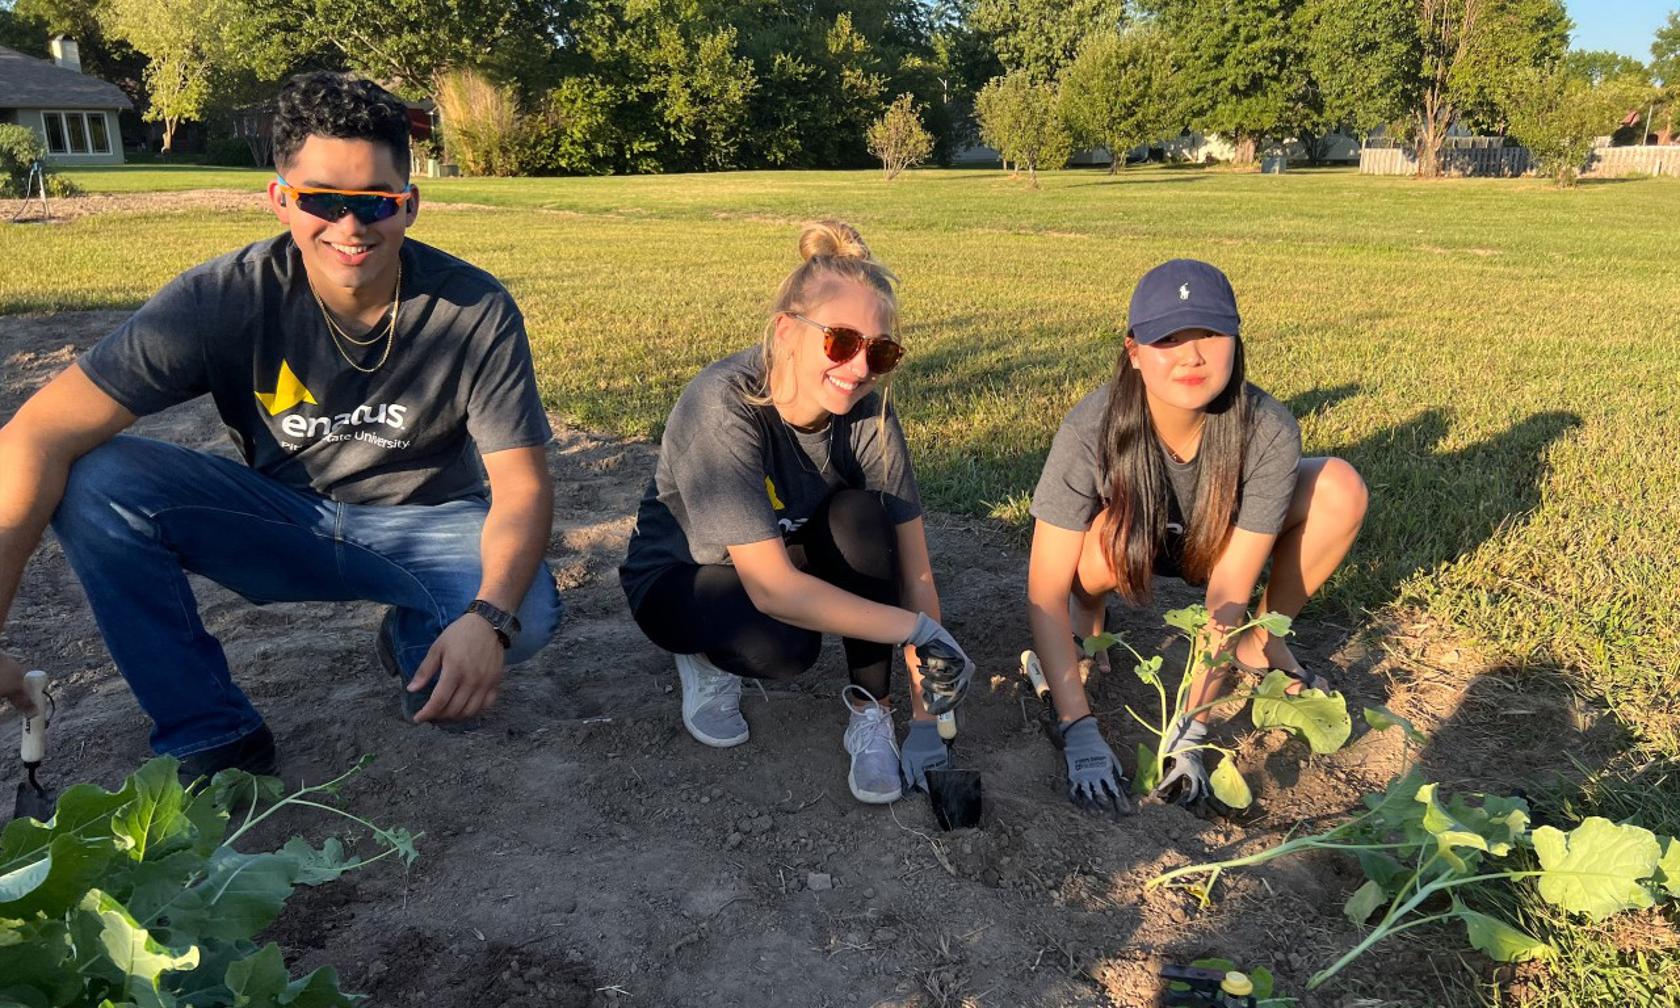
(946, 670)
(923, 750)
(1095, 781)
(1184, 780)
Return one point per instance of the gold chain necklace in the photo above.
(338, 333)
(1195, 440)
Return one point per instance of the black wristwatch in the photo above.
(505, 624)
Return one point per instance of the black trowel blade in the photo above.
(956, 798)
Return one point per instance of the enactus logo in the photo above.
(290, 393)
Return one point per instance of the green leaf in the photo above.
(315, 867)
(1668, 867)
(1263, 982)
(1321, 718)
(1381, 867)
(1276, 624)
(1500, 941)
(1450, 834)
(1382, 719)
(1148, 773)
(154, 818)
(83, 812)
(1365, 901)
(1097, 643)
(1190, 619)
(127, 946)
(1229, 786)
(55, 883)
(241, 895)
(260, 981)
(1597, 868)
(1149, 670)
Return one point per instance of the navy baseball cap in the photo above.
(1182, 294)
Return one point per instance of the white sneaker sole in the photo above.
(715, 741)
(873, 797)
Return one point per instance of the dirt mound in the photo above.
(580, 849)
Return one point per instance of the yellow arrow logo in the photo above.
(288, 392)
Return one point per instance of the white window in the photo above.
(76, 133)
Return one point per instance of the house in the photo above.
(75, 114)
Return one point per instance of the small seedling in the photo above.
(1320, 718)
(1420, 848)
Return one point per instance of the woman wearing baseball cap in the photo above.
(1178, 467)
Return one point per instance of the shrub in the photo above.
(232, 151)
(898, 138)
(480, 121)
(20, 147)
(59, 187)
(1557, 116)
(1021, 118)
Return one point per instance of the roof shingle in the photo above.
(27, 82)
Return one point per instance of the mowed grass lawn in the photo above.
(1501, 360)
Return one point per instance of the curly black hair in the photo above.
(340, 106)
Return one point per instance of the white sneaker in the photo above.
(869, 739)
(711, 702)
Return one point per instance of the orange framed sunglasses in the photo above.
(370, 206)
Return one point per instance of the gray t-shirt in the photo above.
(1073, 490)
(731, 473)
(246, 329)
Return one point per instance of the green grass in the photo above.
(1498, 358)
(165, 178)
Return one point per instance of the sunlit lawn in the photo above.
(1498, 358)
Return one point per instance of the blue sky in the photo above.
(1624, 26)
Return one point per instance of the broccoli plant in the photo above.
(139, 897)
(1420, 848)
(1320, 718)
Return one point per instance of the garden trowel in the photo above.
(33, 800)
(954, 794)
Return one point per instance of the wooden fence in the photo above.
(1504, 162)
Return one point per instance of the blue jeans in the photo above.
(138, 514)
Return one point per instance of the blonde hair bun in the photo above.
(832, 239)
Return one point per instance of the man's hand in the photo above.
(11, 685)
(466, 659)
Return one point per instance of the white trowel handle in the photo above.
(948, 725)
(34, 745)
(1035, 672)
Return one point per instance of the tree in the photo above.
(186, 44)
(1242, 67)
(1120, 91)
(1665, 67)
(1513, 36)
(1020, 117)
(1596, 66)
(406, 44)
(1363, 56)
(898, 137)
(1557, 115)
(1040, 37)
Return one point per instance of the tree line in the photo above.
(599, 86)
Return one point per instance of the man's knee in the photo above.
(102, 486)
(540, 614)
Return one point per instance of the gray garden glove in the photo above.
(946, 670)
(1095, 781)
(923, 750)
(1184, 780)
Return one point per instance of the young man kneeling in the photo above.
(363, 378)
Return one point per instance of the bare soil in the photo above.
(580, 849)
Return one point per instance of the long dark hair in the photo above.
(1136, 520)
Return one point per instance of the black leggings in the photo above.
(849, 542)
